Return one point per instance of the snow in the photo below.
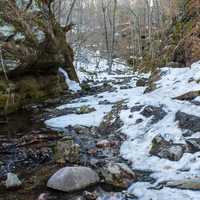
(73, 85)
(92, 67)
(93, 118)
(141, 190)
(173, 82)
(6, 30)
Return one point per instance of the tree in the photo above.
(38, 42)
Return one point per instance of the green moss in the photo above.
(154, 145)
(3, 100)
(3, 87)
(29, 89)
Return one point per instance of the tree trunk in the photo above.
(42, 47)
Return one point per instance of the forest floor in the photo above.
(113, 120)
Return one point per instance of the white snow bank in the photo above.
(174, 82)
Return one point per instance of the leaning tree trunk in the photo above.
(38, 42)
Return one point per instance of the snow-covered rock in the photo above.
(12, 181)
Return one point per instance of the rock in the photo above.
(90, 195)
(174, 65)
(136, 108)
(165, 149)
(106, 144)
(12, 181)
(85, 110)
(186, 121)
(189, 184)
(138, 121)
(71, 179)
(125, 87)
(105, 102)
(67, 150)
(43, 196)
(193, 145)
(157, 113)
(103, 144)
(118, 175)
(82, 129)
(189, 96)
(142, 82)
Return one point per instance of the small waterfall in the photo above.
(73, 85)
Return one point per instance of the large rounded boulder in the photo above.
(71, 179)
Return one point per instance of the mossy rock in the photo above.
(29, 89)
(3, 86)
(9, 104)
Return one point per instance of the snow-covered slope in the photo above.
(173, 82)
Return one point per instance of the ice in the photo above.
(73, 85)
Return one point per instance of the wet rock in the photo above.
(12, 181)
(142, 82)
(157, 113)
(193, 144)
(130, 116)
(110, 124)
(67, 150)
(71, 179)
(118, 175)
(139, 121)
(189, 184)
(165, 149)
(186, 121)
(136, 108)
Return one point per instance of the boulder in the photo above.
(188, 184)
(118, 175)
(189, 122)
(70, 179)
(189, 96)
(157, 113)
(136, 108)
(165, 149)
(12, 181)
